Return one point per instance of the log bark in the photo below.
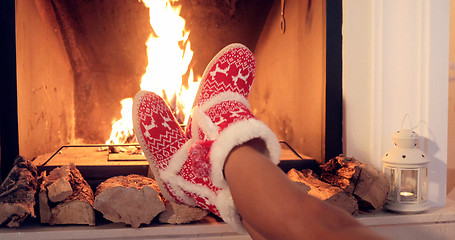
(177, 213)
(17, 193)
(324, 191)
(66, 198)
(364, 181)
(131, 199)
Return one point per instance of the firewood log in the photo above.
(17, 193)
(324, 191)
(73, 212)
(177, 213)
(131, 199)
(364, 181)
(66, 198)
(60, 189)
(44, 209)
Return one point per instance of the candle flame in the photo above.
(406, 194)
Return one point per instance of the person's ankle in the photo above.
(258, 144)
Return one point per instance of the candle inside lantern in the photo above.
(406, 194)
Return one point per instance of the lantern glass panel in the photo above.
(391, 174)
(424, 177)
(409, 185)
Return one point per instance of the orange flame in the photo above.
(122, 129)
(169, 55)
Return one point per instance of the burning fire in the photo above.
(122, 130)
(169, 55)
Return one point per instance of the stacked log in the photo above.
(324, 191)
(363, 181)
(136, 200)
(347, 183)
(17, 193)
(177, 213)
(132, 199)
(66, 198)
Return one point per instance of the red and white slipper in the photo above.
(159, 135)
(221, 111)
(232, 71)
(191, 171)
(181, 167)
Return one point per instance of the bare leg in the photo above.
(276, 208)
(253, 233)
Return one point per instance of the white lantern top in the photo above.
(405, 152)
(405, 138)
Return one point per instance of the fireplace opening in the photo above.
(76, 61)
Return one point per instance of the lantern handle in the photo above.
(410, 122)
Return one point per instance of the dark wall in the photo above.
(9, 143)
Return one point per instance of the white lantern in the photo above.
(406, 167)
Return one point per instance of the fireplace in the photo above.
(76, 60)
(369, 30)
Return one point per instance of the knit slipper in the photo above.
(232, 70)
(159, 135)
(182, 168)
